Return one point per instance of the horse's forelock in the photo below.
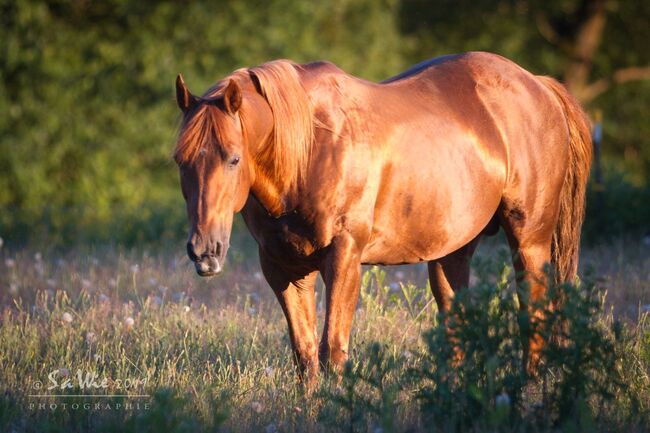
(200, 125)
(197, 130)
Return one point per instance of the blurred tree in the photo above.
(597, 47)
(86, 88)
(89, 116)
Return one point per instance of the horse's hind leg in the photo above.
(529, 235)
(451, 273)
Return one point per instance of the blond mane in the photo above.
(293, 129)
(287, 156)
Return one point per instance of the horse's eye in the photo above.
(234, 161)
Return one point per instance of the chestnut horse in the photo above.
(331, 172)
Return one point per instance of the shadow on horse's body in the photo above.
(331, 171)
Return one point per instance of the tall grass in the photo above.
(196, 355)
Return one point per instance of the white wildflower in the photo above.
(39, 266)
(13, 288)
(10, 263)
(129, 322)
(66, 317)
(268, 371)
(257, 406)
(90, 337)
(38, 256)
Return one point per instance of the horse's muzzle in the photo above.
(208, 266)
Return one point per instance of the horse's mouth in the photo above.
(208, 266)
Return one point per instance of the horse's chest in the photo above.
(286, 239)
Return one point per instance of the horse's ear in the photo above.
(184, 98)
(232, 97)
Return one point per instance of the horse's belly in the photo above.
(415, 225)
(424, 240)
(388, 250)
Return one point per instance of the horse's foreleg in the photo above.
(341, 270)
(297, 298)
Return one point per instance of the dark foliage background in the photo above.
(88, 116)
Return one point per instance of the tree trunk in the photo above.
(585, 46)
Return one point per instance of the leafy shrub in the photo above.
(616, 207)
(592, 374)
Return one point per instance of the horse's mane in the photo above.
(287, 157)
(293, 130)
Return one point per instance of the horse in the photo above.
(330, 171)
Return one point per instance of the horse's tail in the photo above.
(565, 247)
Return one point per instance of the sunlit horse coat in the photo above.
(332, 171)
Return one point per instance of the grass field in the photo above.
(213, 355)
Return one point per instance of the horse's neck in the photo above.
(269, 195)
(333, 94)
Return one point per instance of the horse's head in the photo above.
(215, 170)
(251, 132)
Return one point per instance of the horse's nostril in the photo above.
(190, 252)
(219, 248)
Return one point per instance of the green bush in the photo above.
(592, 374)
(616, 207)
